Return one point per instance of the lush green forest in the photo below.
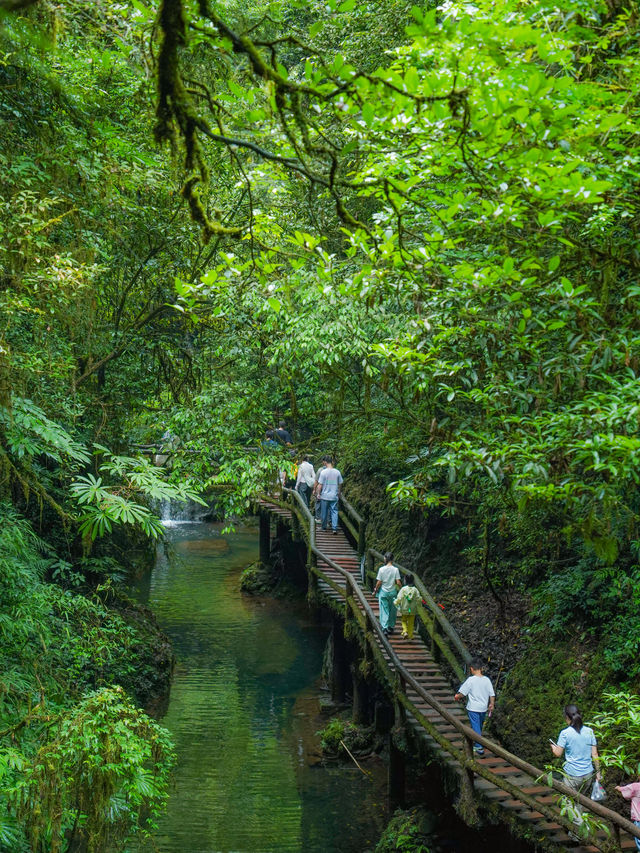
(410, 231)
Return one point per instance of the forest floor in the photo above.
(494, 631)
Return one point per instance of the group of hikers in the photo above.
(576, 742)
(324, 486)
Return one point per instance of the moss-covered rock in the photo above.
(340, 732)
(257, 579)
(154, 660)
(409, 831)
(267, 579)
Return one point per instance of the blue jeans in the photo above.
(476, 719)
(387, 608)
(327, 507)
(637, 840)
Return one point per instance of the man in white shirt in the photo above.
(306, 479)
(328, 490)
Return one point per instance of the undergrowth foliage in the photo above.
(75, 761)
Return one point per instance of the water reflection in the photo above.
(243, 712)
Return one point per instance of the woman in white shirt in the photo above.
(387, 586)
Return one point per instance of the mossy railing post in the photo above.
(616, 836)
(468, 803)
(361, 539)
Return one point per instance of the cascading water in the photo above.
(172, 513)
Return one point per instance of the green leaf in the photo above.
(368, 112)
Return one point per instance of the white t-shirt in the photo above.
(388, 575)
(330, 479)
(478, 689)
(306, 474)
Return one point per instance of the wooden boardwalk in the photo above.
(417, 659)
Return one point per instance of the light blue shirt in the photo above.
(577, 750)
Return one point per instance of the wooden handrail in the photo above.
(614, 818)
(350, 509)
(442, 620)
(359, 532)
(305, 511)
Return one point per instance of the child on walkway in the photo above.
(480, 698)
(632, 792)
(407, 604)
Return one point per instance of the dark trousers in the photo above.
(304, 491)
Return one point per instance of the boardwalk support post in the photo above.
(360, 713)
(265, 536)
(397, 773)
(296, 532)
(339, 667)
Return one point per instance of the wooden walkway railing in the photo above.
(414, 676)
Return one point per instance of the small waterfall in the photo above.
(172, 513)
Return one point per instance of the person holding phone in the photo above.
(578, 745)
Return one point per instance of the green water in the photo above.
(244, 712)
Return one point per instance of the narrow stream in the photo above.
(244, 713)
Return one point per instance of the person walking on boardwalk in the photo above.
(282, 433)
(578, 744)
(632, 792)
(481, 699)
(328, 490)
(306, 479)
(407, 603)
(387, 585)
